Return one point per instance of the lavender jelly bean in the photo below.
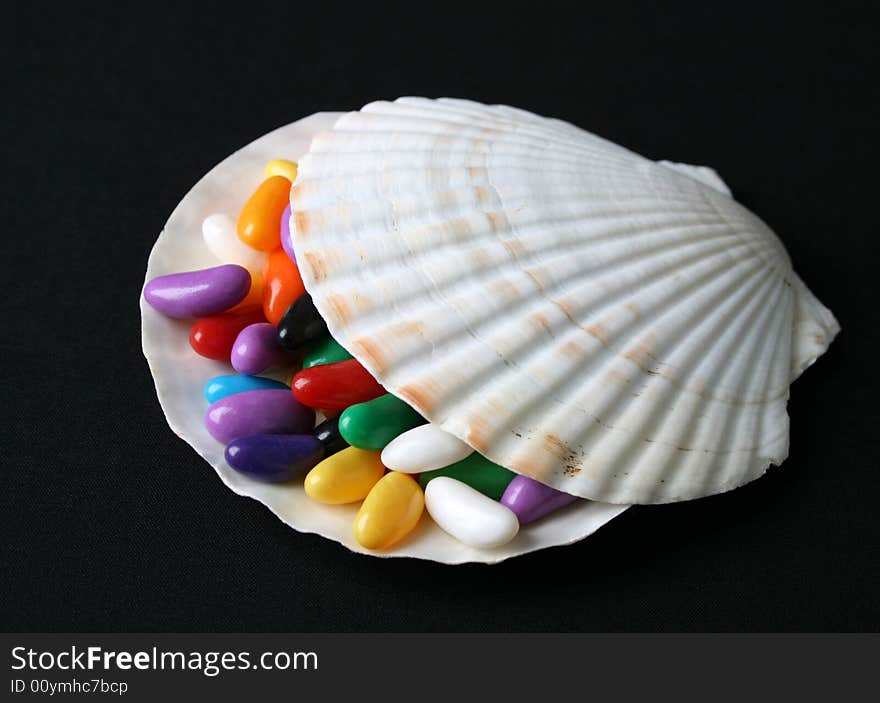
(198, 293)
(531, 500)
(258, 412)
(274, 458)
(256, 349)
(286, 240)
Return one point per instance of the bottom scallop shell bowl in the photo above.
(616, 328)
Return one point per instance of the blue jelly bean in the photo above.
(222, 386)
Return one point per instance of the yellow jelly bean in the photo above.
(259, 223)
(390, 512)
(344, 477)
(281, 167)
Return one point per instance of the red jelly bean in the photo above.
(281, 285)
(335, 386)
(214, 336)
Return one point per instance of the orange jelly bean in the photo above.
(255, 294)
(258, 223)
(281, 285)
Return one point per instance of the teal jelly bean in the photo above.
(222, 386)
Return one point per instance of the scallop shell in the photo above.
(180, 375)
(614, 327)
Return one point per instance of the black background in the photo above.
(110, 522)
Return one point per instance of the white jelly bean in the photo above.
(220, 236)
(424, 448)
(468, 515)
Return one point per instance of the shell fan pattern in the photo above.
(617, 328)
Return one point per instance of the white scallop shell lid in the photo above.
(614, 327)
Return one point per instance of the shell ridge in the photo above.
(813, 329)
(609, 413)
(770, 238)
(610, 299)
(455, 211)
(337, 154)
(587, 145)
(499, 300)
(769, 451)
(637, 454)
(347, 260)
(513, 465)
(704, 174)
(607, 351)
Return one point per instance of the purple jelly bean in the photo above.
(258, 412)
(531, 500)
(274, 457)
(256, 349)
(286, 240)
(198, 293)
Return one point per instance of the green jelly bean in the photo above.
(324, 351)
(477, 472)
(374, 424)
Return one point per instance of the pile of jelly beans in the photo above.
(252, 311)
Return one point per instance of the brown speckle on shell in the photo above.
(515, 248)
(573, 350)
(496, 220)
(339, 310)
(597, 331)
(459, 228)
(477, 434)
(419, 396)
(317, 265)
(483, 195)
(539, 321)
(302, 222)
(641, 352)
(370, 351)
(504, 290)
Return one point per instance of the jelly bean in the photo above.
(286, 240)
(301, 324)
(281, 285)
(328, 434)
(531, 500)
(255, 294)
(335, 386)
(281, 167)
(219, 234)
(424, 448)
(468, 515)
(373, 424)
(258, 412)
(476, 471)
(258, 222)
(274, 457)
(214, 336)
(323, 351)
(390, 511)
(222, 386)
(345, 477)
(255, 349)
(198, 293)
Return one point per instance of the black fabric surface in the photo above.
(110, 522)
